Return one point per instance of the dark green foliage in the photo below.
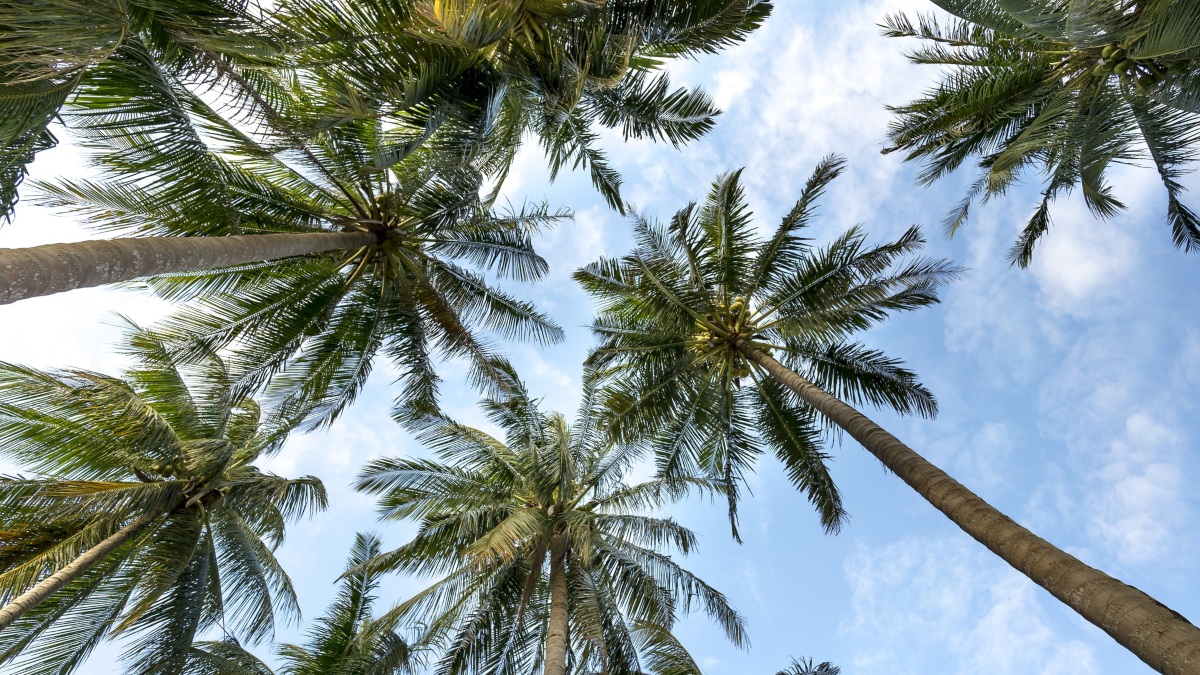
(1064, 87)
(51, 48)
(474, 76)
(803, 666)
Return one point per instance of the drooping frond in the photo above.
(1066, 89)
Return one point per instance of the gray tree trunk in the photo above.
(1161, 637)
(556, 637)
(51, 584)
(54, 268)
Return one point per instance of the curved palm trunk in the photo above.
(48, 586)
(54, 268)
(1161, 637)
(556, 637)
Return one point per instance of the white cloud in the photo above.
(989, 314)
(1140, 515)
(1083, 262)
(943, 605)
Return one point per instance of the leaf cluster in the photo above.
(1067, 88)
(165, 446)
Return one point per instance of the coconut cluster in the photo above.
(715, 336)
(1142, 74)
(168, 468)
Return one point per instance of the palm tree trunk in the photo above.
(1161, 637)
(556, 637)
(54, 268)
(48, 586)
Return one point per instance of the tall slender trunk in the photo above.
(556, 637)
(1161, 637)
(48, 586)
(54, 268)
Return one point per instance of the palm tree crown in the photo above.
(676, 311)
(1067, 88)
(172, 451)
(181, 169)
(482, 73)
(494, 513)
(803, 666)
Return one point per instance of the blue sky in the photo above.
(1067, 390)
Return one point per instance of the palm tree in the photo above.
(51, 47)
(543, 557)
(347, 640)
(691, 324)
(803, 666)
(398, 278)
(1066, 88)
(436, 82)
(496, 70)
(144, 517)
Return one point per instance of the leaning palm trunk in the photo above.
(54, 268)
(1154, 633)
(48, 586)
(556, 638)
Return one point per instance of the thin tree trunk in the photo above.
(54, 268)
(556, 637)
(51, 584)
(1161, 637)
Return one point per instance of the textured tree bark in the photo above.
(556, 637)
(1156, 634)
(51, 584)
(54, 268)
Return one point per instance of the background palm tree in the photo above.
(485, 73)
(543, 555)
(145, 500)
(1066, 88)
(703, 304)
(400, 280)
(804, 666)
(53, 47)
(346, 640)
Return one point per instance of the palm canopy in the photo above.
(483, 73)
(673, 310)
(170, 445)
(803, 666)
(1066, 87)
(494, 512)
(346, 640)
(53, 47)
(172, 165)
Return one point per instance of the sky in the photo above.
(1067, 390)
